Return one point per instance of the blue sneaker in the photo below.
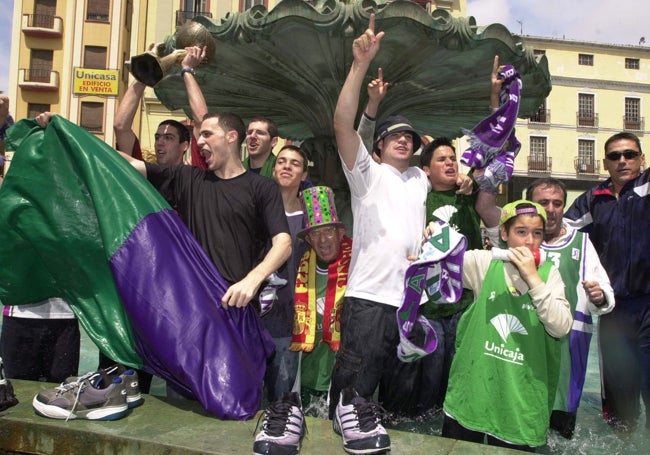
(283, 427)
(358, 421)
(104, 377)
(80, 400)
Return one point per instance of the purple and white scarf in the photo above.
(493, 145)
(438, 271)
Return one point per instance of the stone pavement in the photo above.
(174, 427)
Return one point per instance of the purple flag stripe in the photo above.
(172, 292)
(579, 342)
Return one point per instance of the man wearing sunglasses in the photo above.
(616, 214)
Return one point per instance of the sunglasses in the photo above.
(628, 154)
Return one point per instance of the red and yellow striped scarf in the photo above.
(304, 322)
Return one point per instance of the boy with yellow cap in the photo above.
(503, 376)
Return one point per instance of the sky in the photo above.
(602, 21)
(582, 20)
(6, 11)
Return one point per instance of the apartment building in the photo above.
(598, 90)
(69, 55)
(68, 58)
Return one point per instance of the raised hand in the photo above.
(365, 47)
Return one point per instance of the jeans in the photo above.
(369, 339)
(280, 370)
(413, 388)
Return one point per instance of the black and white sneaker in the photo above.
(358, 421)
(7, 397)
(283, 427)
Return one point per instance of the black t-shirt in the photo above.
(232, 219)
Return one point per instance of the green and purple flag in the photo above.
(78, 222)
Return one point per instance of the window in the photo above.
(98, 10)
(198, 6)
(537, 158)
(95, 57)
(191, 9)
(248, 4)
(632, 63)
(128, 16)
(632, 119)
(33, 109)
(586, 156)
(586, 115)
(44, 12)
(586, 59)
(538, 148)
(40, 66)
(542, 115)
(92, 117)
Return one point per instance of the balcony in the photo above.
(38, 80)
(541, 117)
(587, 167)
(538, 164)
(633, 123)
(184, 16)
(42, 26)
(586, 120)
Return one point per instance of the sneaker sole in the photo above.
(337, 429)
(55, 412)
(134, 401)
(270, 448)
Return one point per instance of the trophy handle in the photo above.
(150, 69)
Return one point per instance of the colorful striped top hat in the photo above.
(318, 209)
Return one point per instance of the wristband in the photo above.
(372, 119)
(187, 70)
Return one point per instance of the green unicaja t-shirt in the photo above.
(503, 376)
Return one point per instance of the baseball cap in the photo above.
(396, 124)
(521, 207)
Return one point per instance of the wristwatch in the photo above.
(187, 70)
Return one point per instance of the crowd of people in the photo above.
(511, 350)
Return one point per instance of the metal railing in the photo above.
(587, 166)
(537, 164)
(541, 116)
(633, 123)
(584, 120)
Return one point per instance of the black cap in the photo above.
(396, 124)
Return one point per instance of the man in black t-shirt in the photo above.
(231, 212)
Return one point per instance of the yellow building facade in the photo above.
(67, 56)
(597, 90)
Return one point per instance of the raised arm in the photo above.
(377, 90)
(495, 85)
(486, 202)
(124, 135)
(195, 55)
(364, 50)
(138, 165)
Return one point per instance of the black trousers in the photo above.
(40, 349)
